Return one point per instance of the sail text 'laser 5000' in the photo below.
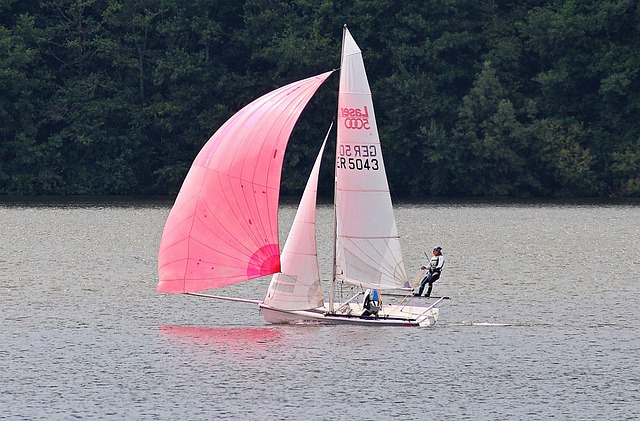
(357, 157)
(355, 118)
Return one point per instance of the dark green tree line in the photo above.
(474, 98)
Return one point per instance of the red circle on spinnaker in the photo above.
(265, 261)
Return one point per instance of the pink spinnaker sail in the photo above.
(223, 227)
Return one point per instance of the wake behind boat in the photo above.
(223, 227)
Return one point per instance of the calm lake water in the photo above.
(543, 322)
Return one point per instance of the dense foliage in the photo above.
(473, 98)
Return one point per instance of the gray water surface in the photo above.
(543, 322)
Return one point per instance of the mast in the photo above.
(332, 290)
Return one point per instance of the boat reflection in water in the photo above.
(245, 342)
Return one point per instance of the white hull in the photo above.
(389, 315)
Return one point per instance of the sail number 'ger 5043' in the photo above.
(357, 157)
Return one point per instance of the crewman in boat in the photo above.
(371, 303)
(433, 274)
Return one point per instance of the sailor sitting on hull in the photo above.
(371, 303)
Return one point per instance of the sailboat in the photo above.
(223, 226)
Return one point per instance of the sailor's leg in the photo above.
(422, 285)
(432, 279)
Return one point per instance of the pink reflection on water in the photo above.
(240, 342)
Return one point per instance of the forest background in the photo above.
(524, 98)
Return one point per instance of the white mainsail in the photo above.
(367, 244)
